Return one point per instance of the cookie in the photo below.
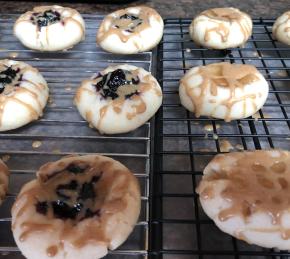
(4, 180)
(281, 28)
(78, 207)
(130, 30)
(119, 99)
(50, 28)
(247, 196)
(23, 94)
(221, 28)
(223, 90)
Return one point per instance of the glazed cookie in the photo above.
(247, 196)
(130, 30)
(221, 28)
(78, 207)
(281, 28)
(50, 28)
(4, 180)
(23, 94)
(119, 99)
(223, 90)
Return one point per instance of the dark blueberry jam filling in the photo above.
(7, 76)
(135, 21)
(71, 200)
(63, 189)
(42, 207)
(76, 169)
(46, 18)
(110, 83)
(129, 16)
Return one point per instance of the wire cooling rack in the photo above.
(172, 224)
(185, 144)
(62, 131)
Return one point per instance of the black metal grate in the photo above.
(183, 147)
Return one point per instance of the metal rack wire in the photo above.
(185, 144)
(62, 131)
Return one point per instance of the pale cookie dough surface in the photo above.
(119, 99)
(78, 207)
(247, 196)
(223, 90)
(281, 28)
(130, 30)
(50, 28)
(23, 94)
(221, 28)
(4, 180)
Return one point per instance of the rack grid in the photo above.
(62, 131)
(184, 144)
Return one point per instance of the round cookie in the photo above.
(223, 90)
(130, 30)
(119, 99)
(4, 180)
(78, 207)
(221, 28)
(247, 196)
(281, 28)
(23, 94)
(50, 28)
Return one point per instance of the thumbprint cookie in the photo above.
(247, 196)
(221, 28)
(119, 99)
(78, 207)
(23, 94)
(4, 180)
(130, 30)
(223, 90)
(50, 28)
(281, 28)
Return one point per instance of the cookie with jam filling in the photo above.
(78, 207)
(130, 30)
(23, 94)
(50, 28)
(119, 99)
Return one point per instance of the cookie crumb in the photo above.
(36, 144)
(188, 50)
(13, 54)
(239, 147)
(68, 88)
(50, 100)
(209, 127)
(225, 146)
(215, 136)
